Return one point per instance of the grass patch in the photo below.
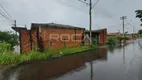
(4, 47)
(116, 40)
(8, 58)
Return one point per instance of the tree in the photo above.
(140, 33)
(8, 37)
(139, 14)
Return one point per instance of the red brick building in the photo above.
(99, 35)
(43, 36)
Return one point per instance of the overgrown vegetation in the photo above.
(8, 37)
(9, 58)
(111, 40)
(116, 40)
(140, 33)
(139, 14)
(4, 47)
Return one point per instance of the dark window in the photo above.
(75, 35)
(50, 43)
(64, 43)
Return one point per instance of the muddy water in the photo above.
(119, 63)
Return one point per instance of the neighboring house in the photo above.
(131, 36)
(43, 36)
(99, 35)
(113, 34)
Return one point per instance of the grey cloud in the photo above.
(105, 14)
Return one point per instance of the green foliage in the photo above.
(65, 51)
(140, 33)
(12, 59)
(112, 40)
(94, 46)
(126, 38)
(4, 47)
(9, 38)
(94, 42)
(120, 38)
(139, 14)
(116, 39)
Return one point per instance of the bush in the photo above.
(9, 38)
(112, 40)
(94, 41)
(7, 58)
(4, 47)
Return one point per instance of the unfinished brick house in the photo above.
(99, 35)
(44, 36)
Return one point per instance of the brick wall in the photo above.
(25, 41)
(29, 38)
(103, 37)
(46, 32)
(34, 39)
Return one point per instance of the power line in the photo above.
(84, 2)
(4, 15)
(95, 4)
(6, 11)
(9, 20)
(132, 26)
(62, 2)
(90, 19)
(1, 13)
(70, 6)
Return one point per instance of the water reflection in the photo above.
(91, 65)
(123, 54)
(44, 70)
(140, 43)
(111, 49)
(122, 63)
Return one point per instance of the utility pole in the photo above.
(90, 18)
(15, 25)
(25, 26)
(133, 29)
(133, 34)
(123, 19)
(90, 15)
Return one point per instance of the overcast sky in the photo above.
(106, 14)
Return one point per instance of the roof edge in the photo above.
(53, 25)
(17, 29)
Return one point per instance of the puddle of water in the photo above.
(121, 63)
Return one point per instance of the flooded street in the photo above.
(120, 63)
